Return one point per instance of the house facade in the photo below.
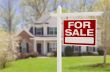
(41, 38)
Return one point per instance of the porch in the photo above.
(44, 45)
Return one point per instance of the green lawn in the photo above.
(70, 64)
(32, 65)
(85, 64)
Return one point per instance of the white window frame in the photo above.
(53, 30)
(23, 46)
(76, 48)
(39, 28)
(52, 46)
(90, 49)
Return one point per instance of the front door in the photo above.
(39, 48)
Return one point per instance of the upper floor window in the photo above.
(39, 31)
(52, 31)
(31, 30)
(36, 30)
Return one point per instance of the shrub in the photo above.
(33, 54)
(50, 54)
(7, 48)
(24, 55)
(27, 55)
(100, 52)
(89, 54)
(95, 53)
(54, 53)
(68, 51)
(4, 59)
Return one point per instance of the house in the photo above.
(40, 38)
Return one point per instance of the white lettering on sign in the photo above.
(79, 24)
(69, 32)
(79, 29)
(81, 32)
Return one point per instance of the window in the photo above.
(31, 30)
(24, 47)
(36, 31)
(94, 49)
(52, 31)
(77, 48)
(87, 48)
(39, 31)
(90, 49)
(51, 46)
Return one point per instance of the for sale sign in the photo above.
(80, 32)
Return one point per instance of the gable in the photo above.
(24, 35)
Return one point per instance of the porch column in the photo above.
(34, 44)
(45, 48)
(45, 30)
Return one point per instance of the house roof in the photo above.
(41, 23)
(25, 31)
(42, 20)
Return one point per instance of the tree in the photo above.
(36, 7)
(33, 10)
(78, 5)
(7, 19)
(5, 54)
(7, 16)
(104, 21)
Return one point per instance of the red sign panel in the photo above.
(80, 32)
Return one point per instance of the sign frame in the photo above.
(59, 14)
(81, 44)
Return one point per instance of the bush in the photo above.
(33, 54)
(6, 55)
(95, 53)
(100, 52)
(50, 54)
(55, 53)
(68, 51)
(4, 59)
(23, 55)
(89, 54)
(7, 48)
(27, 55)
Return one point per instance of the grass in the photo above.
(32, 65)
(85, 64)
(70, 64)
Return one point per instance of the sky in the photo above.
(18, 10)
(64, 4)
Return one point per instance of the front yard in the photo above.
(85, 64)
(70, 64)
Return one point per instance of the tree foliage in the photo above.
(6, 54)
(104, 22)
(8, 17)
(34, 9)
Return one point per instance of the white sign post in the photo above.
(59, 41)
(59, 30)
